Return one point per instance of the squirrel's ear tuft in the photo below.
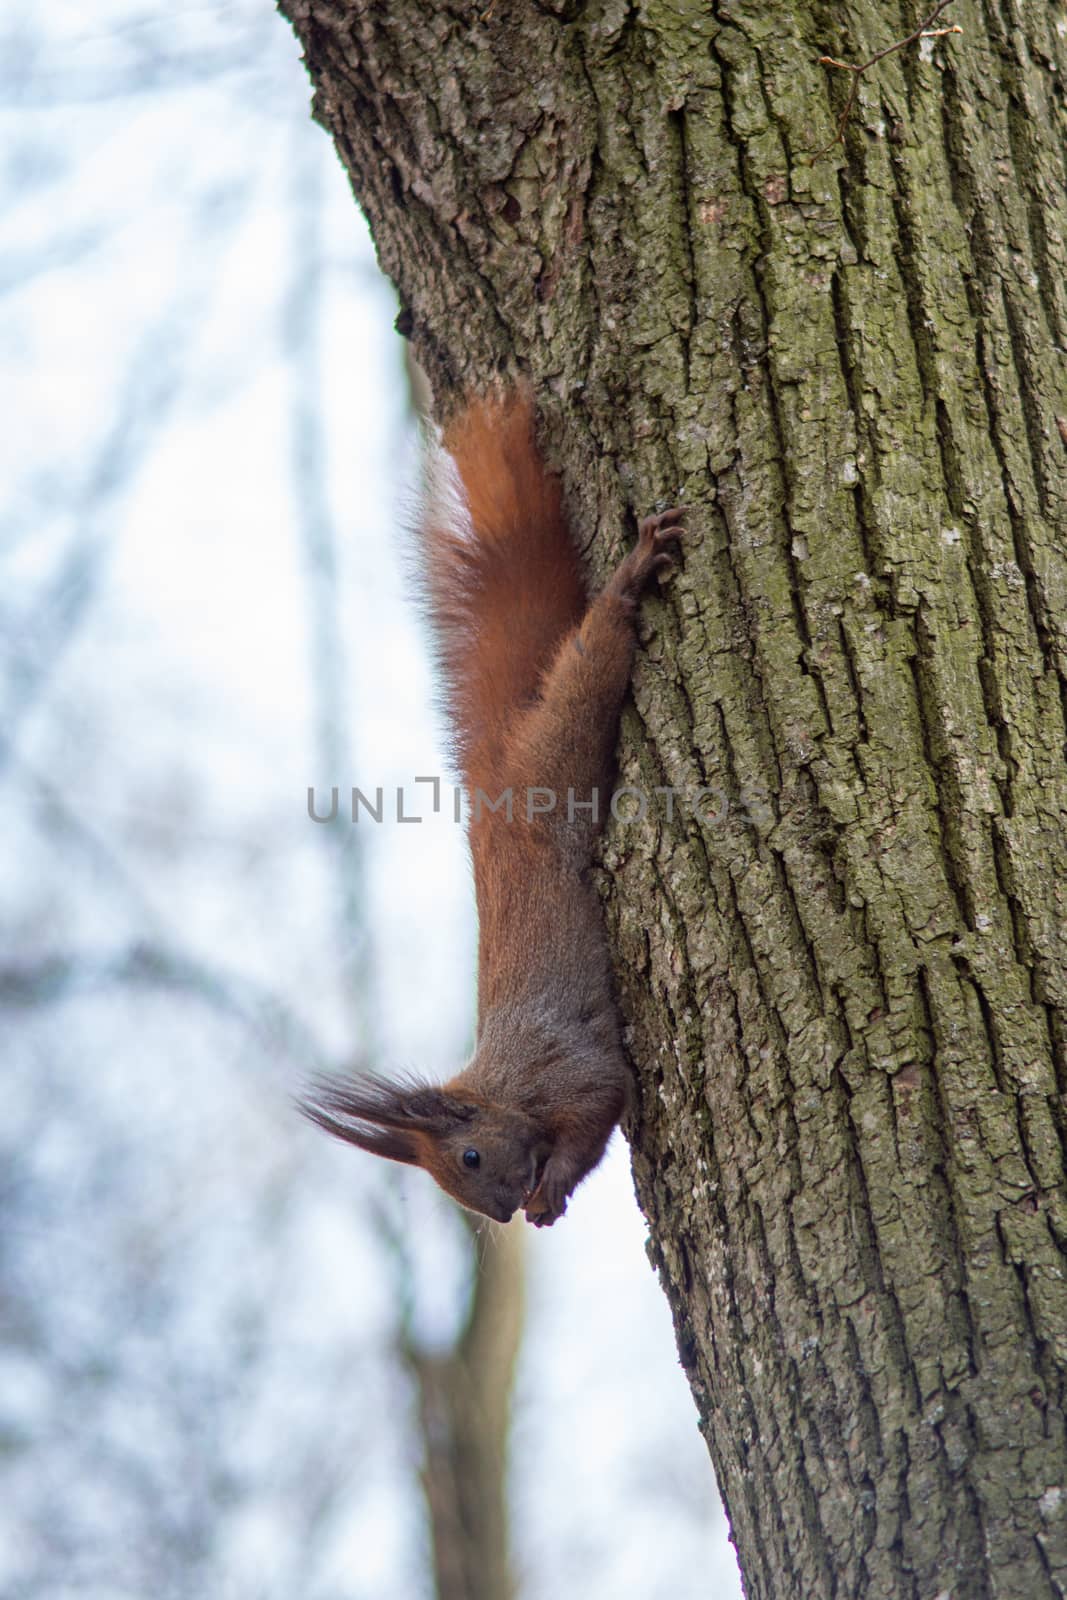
(435, 1109)
(331, 1106)
(381, 1116)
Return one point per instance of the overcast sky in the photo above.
(205, 453)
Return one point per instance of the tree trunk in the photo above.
(464, 1396)
(845, 967)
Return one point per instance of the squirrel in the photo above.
(534, 678)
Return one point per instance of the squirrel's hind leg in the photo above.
(565, 743)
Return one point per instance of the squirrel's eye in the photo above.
(471, 1158)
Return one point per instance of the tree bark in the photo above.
(845, 968)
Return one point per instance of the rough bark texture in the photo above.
(847, 975)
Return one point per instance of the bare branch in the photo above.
(925, 30)
(66, 974)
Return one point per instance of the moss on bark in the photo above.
(846, 975)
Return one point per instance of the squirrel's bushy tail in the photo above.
(502, 577)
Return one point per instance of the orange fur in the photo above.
(534, 679)
(504, 587)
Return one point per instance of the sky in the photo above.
(209, 461)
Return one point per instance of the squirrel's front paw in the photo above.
(548, 1202)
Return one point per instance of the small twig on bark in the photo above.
(925, 30)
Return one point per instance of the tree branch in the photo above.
(925, 30)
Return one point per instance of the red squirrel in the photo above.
(534, 678)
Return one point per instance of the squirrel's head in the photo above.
(488, 1158)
